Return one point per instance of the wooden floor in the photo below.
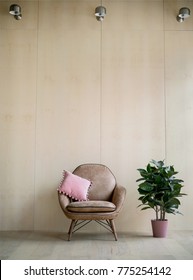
(83, 246)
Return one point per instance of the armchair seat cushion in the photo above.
(91, 206)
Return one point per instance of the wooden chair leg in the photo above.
(71, 229)
(113, 229)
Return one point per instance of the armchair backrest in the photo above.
(103, 180)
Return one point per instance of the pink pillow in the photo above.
(74, 186)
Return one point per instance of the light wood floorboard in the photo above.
(84, 246)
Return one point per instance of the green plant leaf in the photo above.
(145, 186)
(144, 208)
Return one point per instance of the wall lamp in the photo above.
(100, 13)
(15, 10)
(183, 13)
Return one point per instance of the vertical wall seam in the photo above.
(100, 88)
(164, 76)
(36, 112)
(101, 84)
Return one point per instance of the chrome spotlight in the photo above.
(100, 13)
(183, 13)
(15, 10)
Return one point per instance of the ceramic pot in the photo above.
(159, 228)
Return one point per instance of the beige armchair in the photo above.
(105, 202)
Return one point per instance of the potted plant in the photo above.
(159, 190)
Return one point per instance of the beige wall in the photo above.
(73, 90)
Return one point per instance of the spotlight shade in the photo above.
(179, 19)
(184, 13)
(15, 10)
(18, 17)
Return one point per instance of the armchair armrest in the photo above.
(119, 197)
(64, 201)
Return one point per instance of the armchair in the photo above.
(105, 199)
